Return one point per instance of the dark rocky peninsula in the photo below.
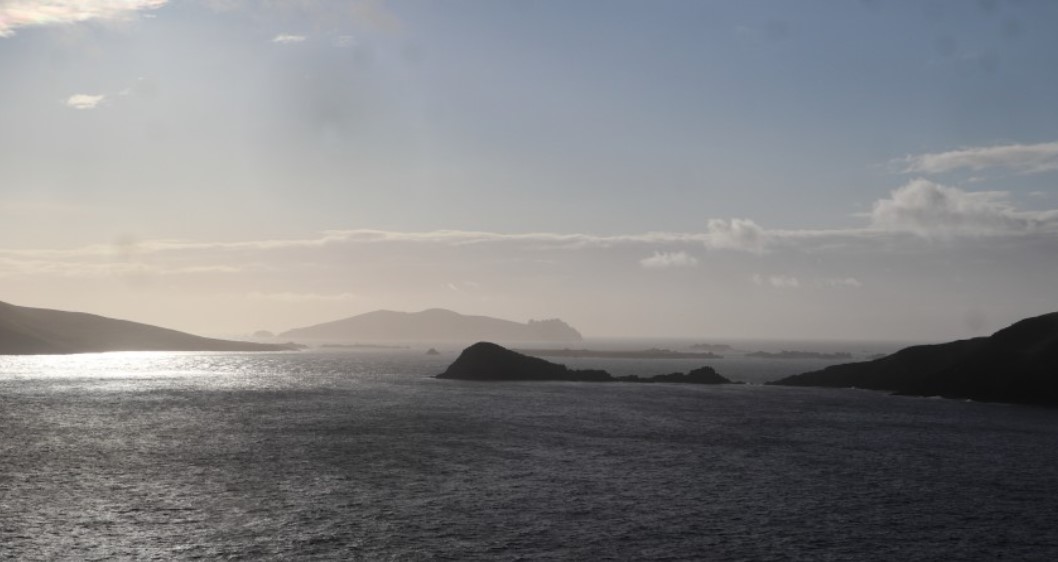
(41, 331)
(1018, 364)
(652, 353)
(799, 355)
(485, 361)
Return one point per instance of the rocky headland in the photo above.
(1018, 364)
(42, 331)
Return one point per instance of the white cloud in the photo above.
(286, 38)
(919, 209)
(662, 260)
(927, 208)
(345, 41)
(791, 282)
(776, 281)
(84, 101)
(735, 234)
(1021, 158)
(25, 13)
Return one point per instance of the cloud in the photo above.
(84, 101)
(775, 281)
(301, 297)
(735, 234)
(919, 209)
(284, 38)
(27, 13)
(791, 282)
(663, 260)
(838, 282)
(926, 208)
(1020, 158)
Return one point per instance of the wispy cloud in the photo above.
(838, 282)
(15, 14)
(1020, 158)
(735, 234)
(929, 209)
(775, 281)
(663, 260)
(920, 209)
(84, 101)
(285, 38)
(302, 297)
(345, 41)
(792, 282)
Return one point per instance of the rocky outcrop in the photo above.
(485, 361)
(701, 375)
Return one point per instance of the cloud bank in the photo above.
(930, 209)
(1020, 158)
(15, 14)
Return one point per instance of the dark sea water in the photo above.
(361, 455)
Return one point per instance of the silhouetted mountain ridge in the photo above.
(435, 324)
(1017, 364)
(37, 331)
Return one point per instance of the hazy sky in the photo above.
(670, 168)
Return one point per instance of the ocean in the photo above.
(362, 455)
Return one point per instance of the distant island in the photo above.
(361, 346)
(1017, 364)
(486, 361)
(435, 324)
(42, 331)
(717, 347)
(799, 355)
(652, 353)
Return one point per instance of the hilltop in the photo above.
(1017, 364)
(39, 331)
(434, 324)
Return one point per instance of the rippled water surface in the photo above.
(362, 455)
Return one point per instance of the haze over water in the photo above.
(362, 455)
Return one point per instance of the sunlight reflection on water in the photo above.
(362, 455)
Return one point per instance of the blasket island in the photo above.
(487, 361)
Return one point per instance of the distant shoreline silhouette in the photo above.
(43, 331)
(1018, 364)
(435, 324)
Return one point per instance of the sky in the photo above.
(699, 169)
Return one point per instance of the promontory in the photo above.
(40, 331)
(1018, 364)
